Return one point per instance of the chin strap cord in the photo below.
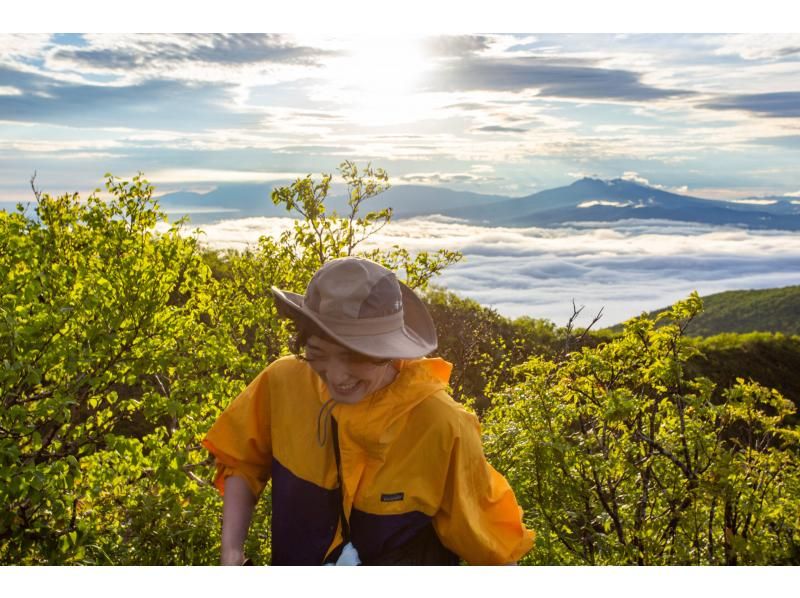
(342, 516)
(349, 554)
(322, 421)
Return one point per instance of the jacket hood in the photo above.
(372, 424)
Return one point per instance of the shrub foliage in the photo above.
(122, 339)
(619, 458)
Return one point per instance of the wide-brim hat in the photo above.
(362, 306)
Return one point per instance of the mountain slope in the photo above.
(595, 200)
(765, 310)
(415, 200)
(225, 202)
(249, 200)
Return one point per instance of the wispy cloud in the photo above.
(165, 104)
(478, 176)
(550, 77)
(197, 56)
(500, 129)
(215, 48)
(778, 105)
(455, 45)
(790, 141)
(198, 175)
(760, 46)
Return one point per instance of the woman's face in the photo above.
(349, 376)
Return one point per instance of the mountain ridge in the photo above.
(585, 200)
(597, 200)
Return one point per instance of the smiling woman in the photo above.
(349, 376)
(405, 482)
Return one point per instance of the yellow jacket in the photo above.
(411, 457)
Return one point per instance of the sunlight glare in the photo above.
(378, 76)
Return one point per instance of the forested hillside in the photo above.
(764, 310)
(772, 360)
(122, 339)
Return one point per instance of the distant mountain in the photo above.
(249, 200)
(596, 200)
(225, 202)
(419, 200)
(775, 204)
(765, 310)
(585, 200)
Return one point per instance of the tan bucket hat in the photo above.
(362, 306)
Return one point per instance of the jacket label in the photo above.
(392, 497)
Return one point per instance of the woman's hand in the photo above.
(232, 557)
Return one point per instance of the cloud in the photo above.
(59, 150)
(612, 204)
(790, 141)
(207, 175)
(785, 104)
(237, 234)
(455, 45)
(165, 104)
(551, 77)
(315, 150)
(438, 178)
(499, 129)
(760, 46)
(625, 270)
(16, 45)
(634, 177)
(468, 106)
(114, 53)
(583, 175)
(24, 81)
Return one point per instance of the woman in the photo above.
(371, 461)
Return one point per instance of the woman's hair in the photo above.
(304, 330)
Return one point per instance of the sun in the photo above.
(385, 65)
(379, 77)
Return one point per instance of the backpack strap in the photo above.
(342, 516)
(424, 549)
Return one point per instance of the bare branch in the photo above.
(194, 477)
(661, 450)
(570, 339)
(36, 192)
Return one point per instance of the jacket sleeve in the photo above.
(240, 439)
(479, 518)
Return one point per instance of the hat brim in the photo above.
(416, 338)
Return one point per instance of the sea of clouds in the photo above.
(623, 268)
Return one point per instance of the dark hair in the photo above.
(305, 329)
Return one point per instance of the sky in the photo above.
(426, 93)
(710, 115)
